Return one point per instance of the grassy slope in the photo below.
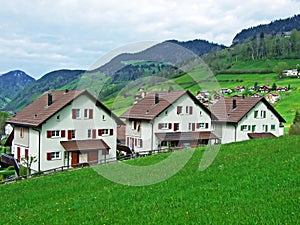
(252, 182)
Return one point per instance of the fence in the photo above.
(92, 163)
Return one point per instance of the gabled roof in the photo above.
(146, 109)
(39, 112)
(225, 112)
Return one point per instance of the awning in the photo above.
(260, 135)
(84, 145)
(185, 136)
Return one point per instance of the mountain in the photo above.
(171, 51)
(50, 81)
(278, 27)
(11, 84)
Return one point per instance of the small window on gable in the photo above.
(103, 117)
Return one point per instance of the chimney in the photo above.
(234, 104)
(50, 101)
(156, 100)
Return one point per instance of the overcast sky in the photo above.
(41, 36)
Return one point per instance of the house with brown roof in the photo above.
(172, 119)
(242, 118)
(65, 128)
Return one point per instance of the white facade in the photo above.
(37, 142)
(259, 119)
(141, 134)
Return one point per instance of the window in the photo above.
(139, 143)
(273, 127)
(263, 114)
(163, 126)
(253, 128)
(21, 132)
(103, 117)
(179, 110)
(71, 134)
(76, 114)
(55, 133)
(191, 126)
(186, 109)
(200, 125)
(86, 113)
(245, 128)
(255, 113)
(53, 156)
(105, 132)
(176, 126)
(260, 115)
(89, 133)
(265, 128)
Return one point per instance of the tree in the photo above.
(28, 160)
(295, 127)
(295, 38)
(280, 67)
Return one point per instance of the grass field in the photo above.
(252, 182)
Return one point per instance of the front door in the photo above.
(75, 158)
(93, 157)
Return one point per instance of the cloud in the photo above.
(77, 33)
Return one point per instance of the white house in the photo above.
(242, 118)
(174, 119)
(65, 128)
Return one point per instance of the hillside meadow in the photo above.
(251, 182)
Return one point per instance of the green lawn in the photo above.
(252, 182)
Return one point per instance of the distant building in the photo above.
(290, 73)
(225, 91)
(240, 89)
(272, 97)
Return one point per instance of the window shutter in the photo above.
(99, 132)
(26, 153)
(193, 126)
(73, 113)
(206, 125)
(128, 141)
(265, 113)
(91, 114)
(160, 126)
(255, 114)
(191, 110)
(111, 132)
(49, 155)
(94, 133)
(18, 154)
(49, 133)
(170, 126)
(198, 125)
(69, 134)
(179, 109)
(63, 133)
(141, 143)
(134, 125)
